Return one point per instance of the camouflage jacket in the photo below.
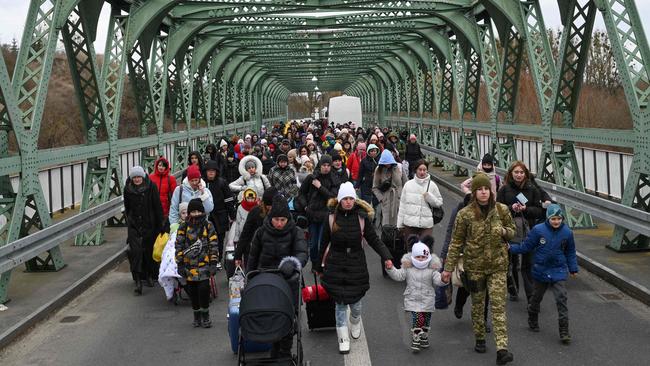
(196, 250)
(480, 242)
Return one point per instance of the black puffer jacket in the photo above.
(254, 220)
(366, 174)
(345, 275)
(534, 213)
(270, 246)
(317, 198)
(413, 152)
(142, 208)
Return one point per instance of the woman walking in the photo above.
(419, 196)
(343, 265)
(480, 232)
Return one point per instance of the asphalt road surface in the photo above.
(108, 325)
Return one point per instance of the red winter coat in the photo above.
(166, 184)
(353, 165)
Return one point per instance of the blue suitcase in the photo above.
(233, 331)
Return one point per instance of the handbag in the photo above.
(458, 274)
(436, 212)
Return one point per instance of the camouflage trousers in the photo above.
(494, 284)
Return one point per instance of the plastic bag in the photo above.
(236, 284)
(159, 246)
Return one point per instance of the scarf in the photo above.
(248, 206)
(421, 264)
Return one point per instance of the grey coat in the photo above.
(389, 200)
(420, 294)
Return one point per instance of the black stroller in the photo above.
(269, 312)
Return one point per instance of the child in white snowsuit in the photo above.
(420, 270)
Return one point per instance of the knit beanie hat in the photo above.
(263, 141)
(182, 206)
(361, 145)
(554, 210)
(487, 159)
(280, 207)
(195, 205)
(137, 171)
(283, 157)
(250, 164)
(325, 159)
(212, 165)
(480, 180)
(268, 195)
(420, 249)
(346, 190)
(193, 172)
(336, 156)
(338, 147)
(223, 143)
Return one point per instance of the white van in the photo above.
(345, 109)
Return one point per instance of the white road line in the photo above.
(359, 354)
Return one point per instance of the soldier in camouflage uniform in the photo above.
(480, 234)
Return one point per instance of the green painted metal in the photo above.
(208, 66)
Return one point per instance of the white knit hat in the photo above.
(338, 147)
(420, 249)
(137, 171)
(346, 190)
(222, 143)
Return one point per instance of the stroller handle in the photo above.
(255, 272)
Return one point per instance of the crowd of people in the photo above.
(348, 186)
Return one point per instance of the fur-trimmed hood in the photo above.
(435, 263)
(242, 166)
(333, 203)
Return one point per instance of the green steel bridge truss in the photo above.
(231, 64)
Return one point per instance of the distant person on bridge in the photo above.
(192, 187)
(486, 166)
(250, 168)
(144, 219)
(231, 169)
(195, 159)
(283, 178)
(554, 249)
(165, 182)
(366, 174)
(418, 197)
(354, 160)
(412, 153)
(480, 232)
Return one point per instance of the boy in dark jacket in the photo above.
(231, 170)
(555, 257)
(224, 203)
(196, 257)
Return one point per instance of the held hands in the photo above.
(446, 276)
(518, 207)
(316, 183)
(388, 264)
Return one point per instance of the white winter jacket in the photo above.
(258, 182)
(168, 273)
(420, 294)
(414, 211)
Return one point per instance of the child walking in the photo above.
(197, 257)
(420, 270)
(555, 257)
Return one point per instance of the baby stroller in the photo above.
(268, 313)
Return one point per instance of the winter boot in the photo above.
(355, 327)
(503, 357)
(424, 338)
(415, 339)
(344, 339)
(205, 318)
(565, 337)
(197, 319)
(480, 346)
(533, 322)
(458, 312)
(138, 286)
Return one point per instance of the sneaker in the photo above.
(416, 340)
(458, 312)
(480, 346)
(355, 327)
(205, 319)
(533, 322)
(415, 345)
(565, 337)
(503, 357)
(197, 319)
(219, 266)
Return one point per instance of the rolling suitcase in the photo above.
(319, 306)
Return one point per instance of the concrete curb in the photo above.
(74, 290)
(626, 285)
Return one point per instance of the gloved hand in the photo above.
(288, 268)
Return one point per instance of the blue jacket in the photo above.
(555, 252)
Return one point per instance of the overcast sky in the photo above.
(14, 12)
